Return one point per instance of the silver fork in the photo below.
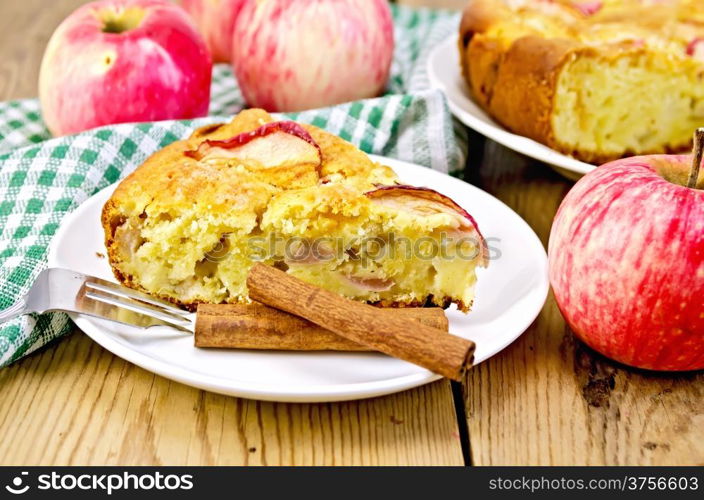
(58, 289)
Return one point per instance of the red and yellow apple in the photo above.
(215, 20)
(117, 61)
(292, 55)
(627, 262)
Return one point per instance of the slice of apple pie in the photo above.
(188, 224)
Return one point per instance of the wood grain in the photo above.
(550, 400)
(76, 404)
(25, 28)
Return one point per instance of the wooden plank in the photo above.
(76, 404)
(550, 400)
(25, 29)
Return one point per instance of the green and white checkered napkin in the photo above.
(43, 179)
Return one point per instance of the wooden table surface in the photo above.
(546, 399)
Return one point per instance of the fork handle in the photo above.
(15, 310)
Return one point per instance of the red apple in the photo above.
(627, 262)
(215, 20)
(116, 61)
(292, 55)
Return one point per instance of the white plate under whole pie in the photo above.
(509, 295)
(445, 74)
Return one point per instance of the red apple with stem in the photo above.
(627, 260)
(116, 61)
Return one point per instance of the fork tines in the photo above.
(138, 302)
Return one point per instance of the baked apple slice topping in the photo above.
(588, 8)
(424, 202)
(275, 144)
(695, 48)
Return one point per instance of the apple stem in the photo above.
(697, 153)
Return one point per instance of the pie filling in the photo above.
(404, 251)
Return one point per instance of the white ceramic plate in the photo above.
(509, 295)
(445, 74)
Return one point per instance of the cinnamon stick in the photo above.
(256, 326)
(446, 355)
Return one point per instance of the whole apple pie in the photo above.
(189, 223)
(595, 79)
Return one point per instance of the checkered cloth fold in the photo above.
(42, 179)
